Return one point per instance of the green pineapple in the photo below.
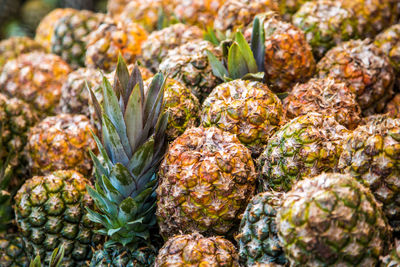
(133, 144)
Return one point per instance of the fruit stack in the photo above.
(203, 133)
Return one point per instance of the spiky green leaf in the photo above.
(218, 68)
(112, 139)
(237, 65)
(257, 43)
(134, 118)
(246, 52)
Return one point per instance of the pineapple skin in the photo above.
(365, 69)
(157, 45)
(370, 155)
(65, 140)
(305, 146)
(236, 14)
(288, 57)
(183, 107)
(332, 220)
(12, 251)
(13, 47)
(247, 109)
(194, 249)
(50, 212)
(68, 38)
(325, 96)
(258, 236)
(36, 78)
(206, 180)
(189, 65)
(120, 257)
(45, 29)
(325, 24)
(111, 38)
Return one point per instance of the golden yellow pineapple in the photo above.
(45, 29)
(157, 45)
(236, 14)
(110, 39)
(365, 69)
(13, 47)
(205, 182)
(36, 78)
(245, 108)
(61, 142)
(196, 12)
(288, 57)
(196, 250)
(325, 96)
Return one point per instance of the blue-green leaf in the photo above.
(257, 43)
(112, 139)
(246, 53)
(237, 65)
(218, 68)
(134, 118)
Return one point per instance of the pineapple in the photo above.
(287, 58)
(133, 144)
(69, 34)
(65, 140)
(15, 46)
(289, 7)
(150, 14)
(373, 16)
(16, 117)
(111, 38)
(324, 96)
(332, 220)
(196, 12)
(196, 250)
(326, 23)
(182, 106)
(12, 251)
(75, 97)
(157, 45)
(305, 146)
(258, 237)
(45, 29)
(245, 108)
(393, 258)
(36, 78)
(389, 42)
(370, 155)
(236, 14)
(189, 64)
(206, 180)
(393, 107)
(365, 69)
(51, 211)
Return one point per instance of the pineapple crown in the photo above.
(132, 147)
(241, 61)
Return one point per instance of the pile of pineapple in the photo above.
(203, 133)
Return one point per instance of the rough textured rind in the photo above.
(332, 220)
(236, 14)
(182, 106)
(69, 33)
(205, 182)
(189, 64)
(36, 78)
(45, 29)
(258, 237)
(120, 257)
(12, 251)
(196, 250)
(157, 45)
(61, 142)
(288, 57)
(371, 154)
(305, 146)
(13, 47)
(324, 96)
(111, 38)
(325, 24)
(365, 69)
(51, 211)
(247, 109)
